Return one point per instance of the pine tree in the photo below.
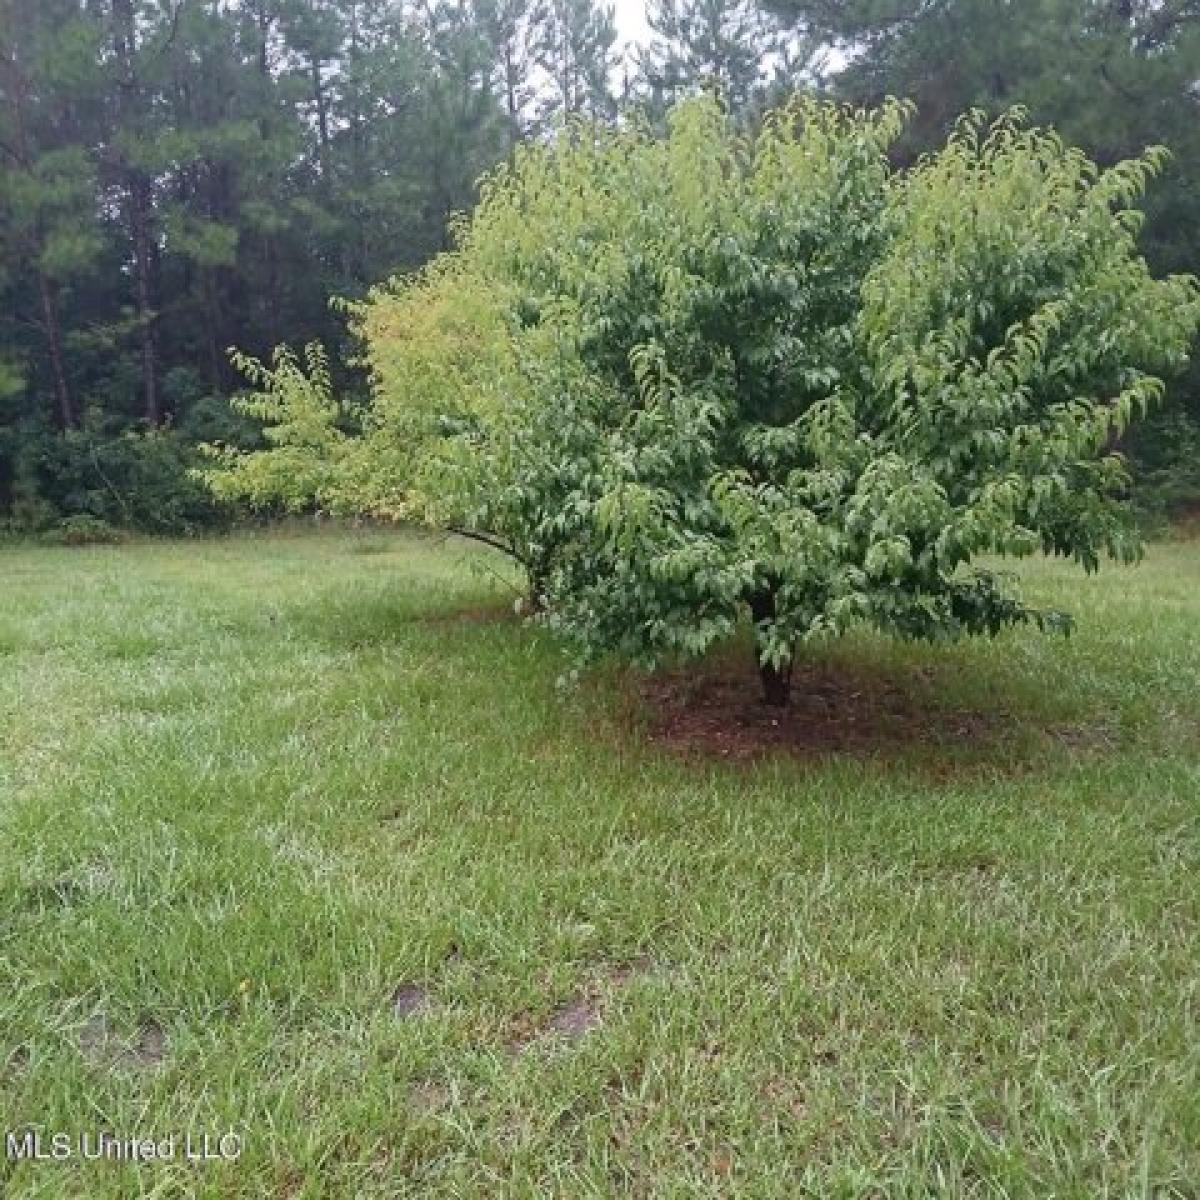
(47, 229)
(723, 44)
(575, 44)
(509, 28)
(1112, 76)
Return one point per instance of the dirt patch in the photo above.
(410, 999)
(575, 1018)
(581, 1013)
(104, 1046)
(837, 709)
(16, 1064)
(429, 1096)
(621, 973)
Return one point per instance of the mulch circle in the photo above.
(717, 711)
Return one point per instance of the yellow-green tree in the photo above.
(691, 379)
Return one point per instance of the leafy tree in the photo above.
(1111, 75)
(689, 379)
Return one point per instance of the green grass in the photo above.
(251, 789)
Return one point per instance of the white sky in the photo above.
(631, 21)
(633, 30)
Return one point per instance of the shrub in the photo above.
(82, 530)
(298, 467)
(133, 480)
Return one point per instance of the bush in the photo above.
(82, 530)
(133, 480)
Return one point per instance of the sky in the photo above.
(633, 30)
(631, 21)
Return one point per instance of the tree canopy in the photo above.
(691, 377)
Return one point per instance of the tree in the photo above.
(574, 44)
(47, 79)
(132, 166)
(462, 120)
(178, 174)
(721, 43)
(509, 28)
(691, 379)
(1111, 75)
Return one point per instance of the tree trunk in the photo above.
(212, 323)
(535, 598)
(319, 99)
(511, 82)
(52, 327)
(62, 395)
(138, 205)
(776, 681)
(264, 38)
(267, 238)
(776, 684)
(139, 220)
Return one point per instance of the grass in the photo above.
(299, 839)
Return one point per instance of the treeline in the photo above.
(180, 176)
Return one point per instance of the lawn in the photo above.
(301, 838)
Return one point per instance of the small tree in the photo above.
(692, 378)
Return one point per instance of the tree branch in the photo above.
(483, 538)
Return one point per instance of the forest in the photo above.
(179, 178)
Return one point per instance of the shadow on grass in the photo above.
(389, 616)
(942, 712)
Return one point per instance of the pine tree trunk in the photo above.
(212, 322)
(62, 394)
(139, 220)
(322, 106)
(264, 37)
(138, 203)
(510, 96)
(270, 316)
(65, 410)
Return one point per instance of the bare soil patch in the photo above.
(582, 1012)
(574, 1018)
(716, 710)
(103, 1045)
(429, 1096)
(409, 999)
